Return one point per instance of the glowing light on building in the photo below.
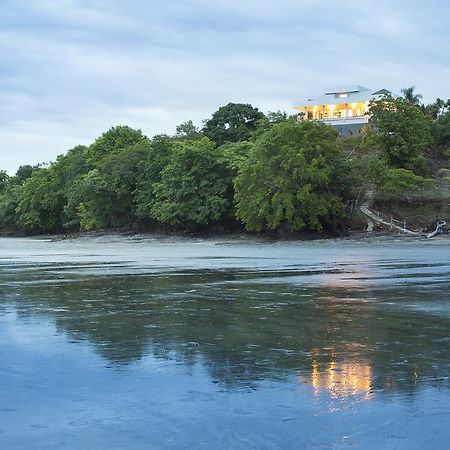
(349, 115)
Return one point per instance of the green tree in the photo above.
(235, 153)
(401, 132)
(41, 203)
(112, 142)
(103, 197)
(149, 173)
(187, 130)
(65, 171)
(442, 132)
(24, 172)
(437, 108)
(232, 123)
(441, 127)
(279, 116)
(3, 181)
(410, 95)
(294, 178)
(271, 119)
(9, 200)
(193, 186)
(389, 180)
(89, 201)
(10, 192)
(43, 197)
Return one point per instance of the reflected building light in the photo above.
(341, 378)
(352, 275)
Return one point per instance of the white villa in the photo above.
(345, 107)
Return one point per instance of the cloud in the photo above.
(70, 69)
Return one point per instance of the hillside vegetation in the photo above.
(242, 171)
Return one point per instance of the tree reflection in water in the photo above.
(344, 337)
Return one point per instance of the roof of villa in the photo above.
(346, 89)
(357, 94)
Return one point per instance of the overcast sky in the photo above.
(71, 69)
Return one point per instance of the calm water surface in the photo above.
(114, 343)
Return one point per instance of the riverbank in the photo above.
(376, 234)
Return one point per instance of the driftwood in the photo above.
(438, 229)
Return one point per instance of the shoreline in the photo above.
(266, 238)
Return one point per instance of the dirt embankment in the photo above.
(421, 212)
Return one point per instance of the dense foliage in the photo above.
(401, 132)
(441, 125)
(294, 178)
(232, 123)
(242, 170)
(411, 142)
(193, 185)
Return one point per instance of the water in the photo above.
(150, 344)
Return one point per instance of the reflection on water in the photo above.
(233, 345)
(341, 378)
(354, 279)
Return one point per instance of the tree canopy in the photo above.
(232, 123)
(187, 130)
(242, 170)
(294, 177)
(113, 141)
(192, 189)
(441, 125)
(401, 132)
(410, 95)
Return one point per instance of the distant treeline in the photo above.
(242, 170)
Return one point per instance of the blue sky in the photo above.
(71, 69)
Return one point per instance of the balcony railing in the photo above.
(346, 120)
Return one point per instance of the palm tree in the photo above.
(410, 95)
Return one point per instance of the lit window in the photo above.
(343, 95)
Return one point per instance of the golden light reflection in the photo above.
(341, 378)
(354, 275)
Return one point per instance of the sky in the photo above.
(72, 69)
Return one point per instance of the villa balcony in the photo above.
(357, 120)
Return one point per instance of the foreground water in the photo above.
(139, 344)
